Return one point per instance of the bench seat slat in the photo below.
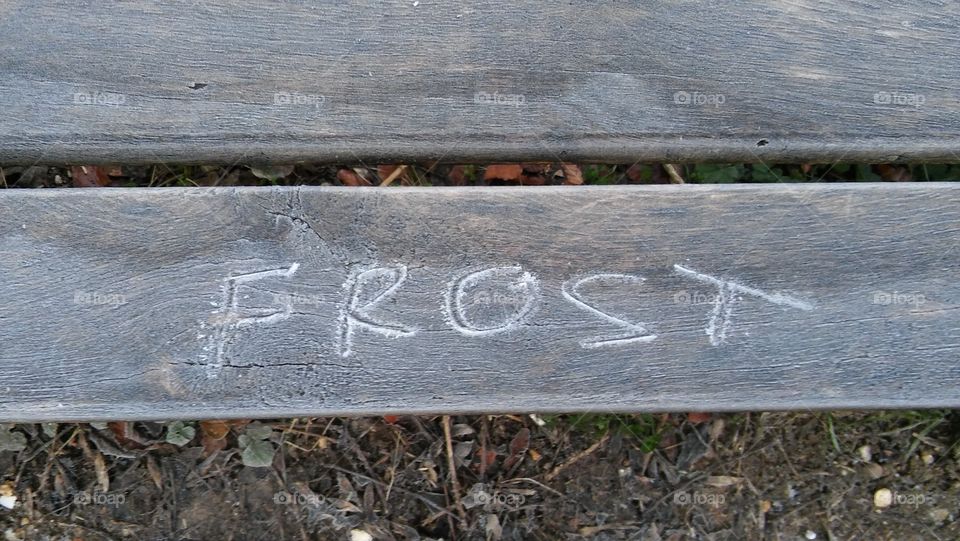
(268, 302)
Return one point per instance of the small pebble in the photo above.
(866, 454)
(360, 535)
(810, 534)
(883, 498)
(875, 471)
(928, 459)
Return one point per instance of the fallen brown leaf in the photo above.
(518, 447)
(895, 173)
(635, 173)
(457, 175)
(387, 171)
(154, 471)
(124, 435)
(349, 177)
(507, 172)
(211, 446)
(572, 174)
(216, 430)
(89, 176)
(488, 458)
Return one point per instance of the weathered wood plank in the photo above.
(139, 303)
(228, 80)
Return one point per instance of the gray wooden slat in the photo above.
(260, 302)
(228, 80)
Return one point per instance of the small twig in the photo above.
(416, 495)
(556, 471)
(3, 178)
(393, 176)
(451, 465)
(672, 172)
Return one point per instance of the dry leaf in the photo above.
(698, 417)
(385, 171)
(216, 430)
(518, 447)
(154, 471)
(720, 481)
(271, 172)
(89, 176)
(489, 458)
(349, 177)
(635, 173)
(457, 175)
(895, 173)
(507, 172)
(211, 446)
(572, 174)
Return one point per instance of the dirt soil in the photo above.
(602, 477)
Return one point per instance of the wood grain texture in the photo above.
(259, 302)
(282, 81)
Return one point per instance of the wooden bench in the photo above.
(257, 302)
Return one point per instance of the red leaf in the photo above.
(895, 173)
(697, 417)
(518, 448)
(457, 175)
(214, 430)
(391, 419)
(349, 177)
(384, 171)
(123, 436)
(489, 458)
(635, 173)
(508, 172)
(89, 176)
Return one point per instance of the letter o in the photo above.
(455, 293)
